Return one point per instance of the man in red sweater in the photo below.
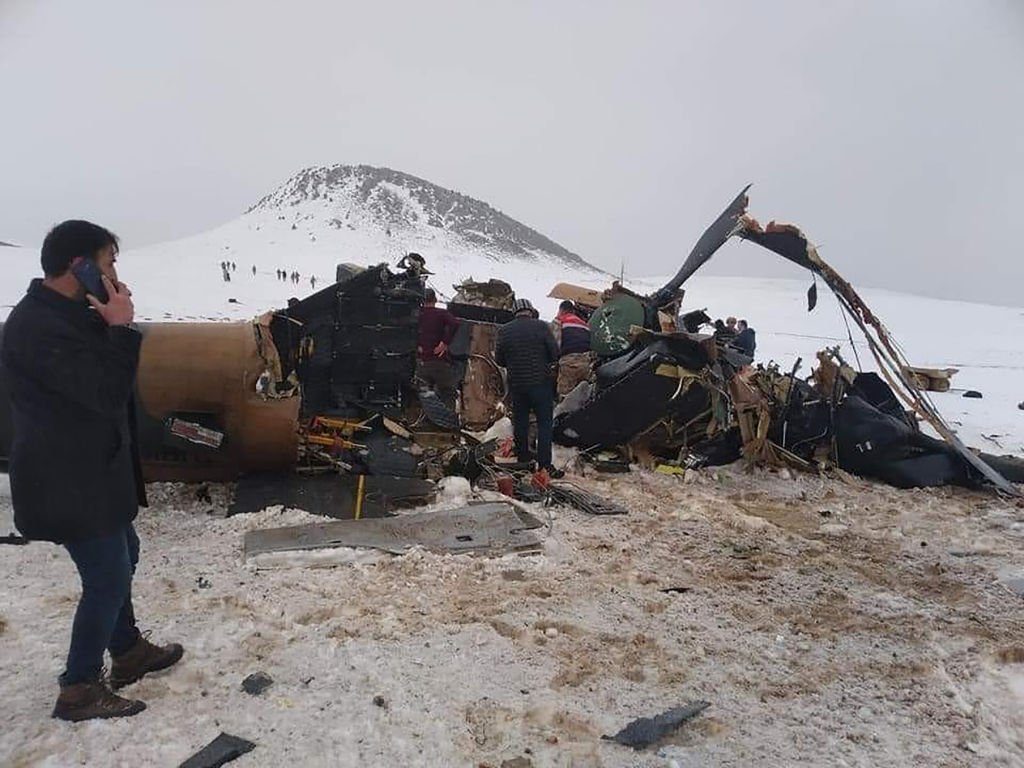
(436, 330)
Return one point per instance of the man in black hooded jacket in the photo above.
(526, 348)
(746, 340)
(76, 479)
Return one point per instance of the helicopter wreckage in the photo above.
(317, 404)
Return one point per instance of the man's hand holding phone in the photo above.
(119, 309)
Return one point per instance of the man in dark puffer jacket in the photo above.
(75, 474)
(527, 350)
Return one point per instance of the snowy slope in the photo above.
(317, 219)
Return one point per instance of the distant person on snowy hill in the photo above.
(76, 477)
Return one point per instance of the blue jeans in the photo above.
(104, 618)
(540, 399)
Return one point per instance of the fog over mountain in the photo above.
(893, 133)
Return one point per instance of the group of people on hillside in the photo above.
(226, 268)
(290, 277)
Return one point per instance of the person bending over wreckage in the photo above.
(746, 340)
(572, 334)
(76, 479)
(527, 350)
(437, 328)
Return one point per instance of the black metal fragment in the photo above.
(645, 731)
(221, 750)
(592, 504)
(332, 495)
(812, 296)
(257, 683)
(438, 412)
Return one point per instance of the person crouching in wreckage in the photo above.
(746, 340)
(572, 334)
(437, 328)
(527, 350)
(76, 479)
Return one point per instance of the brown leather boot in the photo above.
(89, 701)
(140, 660)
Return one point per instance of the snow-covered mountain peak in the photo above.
(365, 198)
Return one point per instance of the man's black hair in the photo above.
(567, 306)
(429, 297)
(71, 239)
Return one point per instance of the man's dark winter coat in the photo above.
(526, 348)
(74, 465)
(745, 342)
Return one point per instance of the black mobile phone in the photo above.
(91, 278)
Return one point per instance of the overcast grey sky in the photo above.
(892, 131)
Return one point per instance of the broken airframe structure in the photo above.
(694, 396)
(317, 404)
(680, 398)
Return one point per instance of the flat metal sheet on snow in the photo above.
(479, 528)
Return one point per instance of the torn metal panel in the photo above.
(483, 383)
(220, 751)
(332, 495)
(930, 379)
(790, 243)
(584, 501)
(272, 383)
(195, 433)
(631, 396)
(491, 528)
(587, 298)
(725, 226)
(206, 374)
(494, 294)
(645, 731)
(353, 343)
(611, 325)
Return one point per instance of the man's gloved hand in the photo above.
(119, 309)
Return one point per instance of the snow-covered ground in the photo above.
(829, 623)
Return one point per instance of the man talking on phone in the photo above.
(70, 352)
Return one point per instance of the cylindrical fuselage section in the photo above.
(213, 368)
(206, 373)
